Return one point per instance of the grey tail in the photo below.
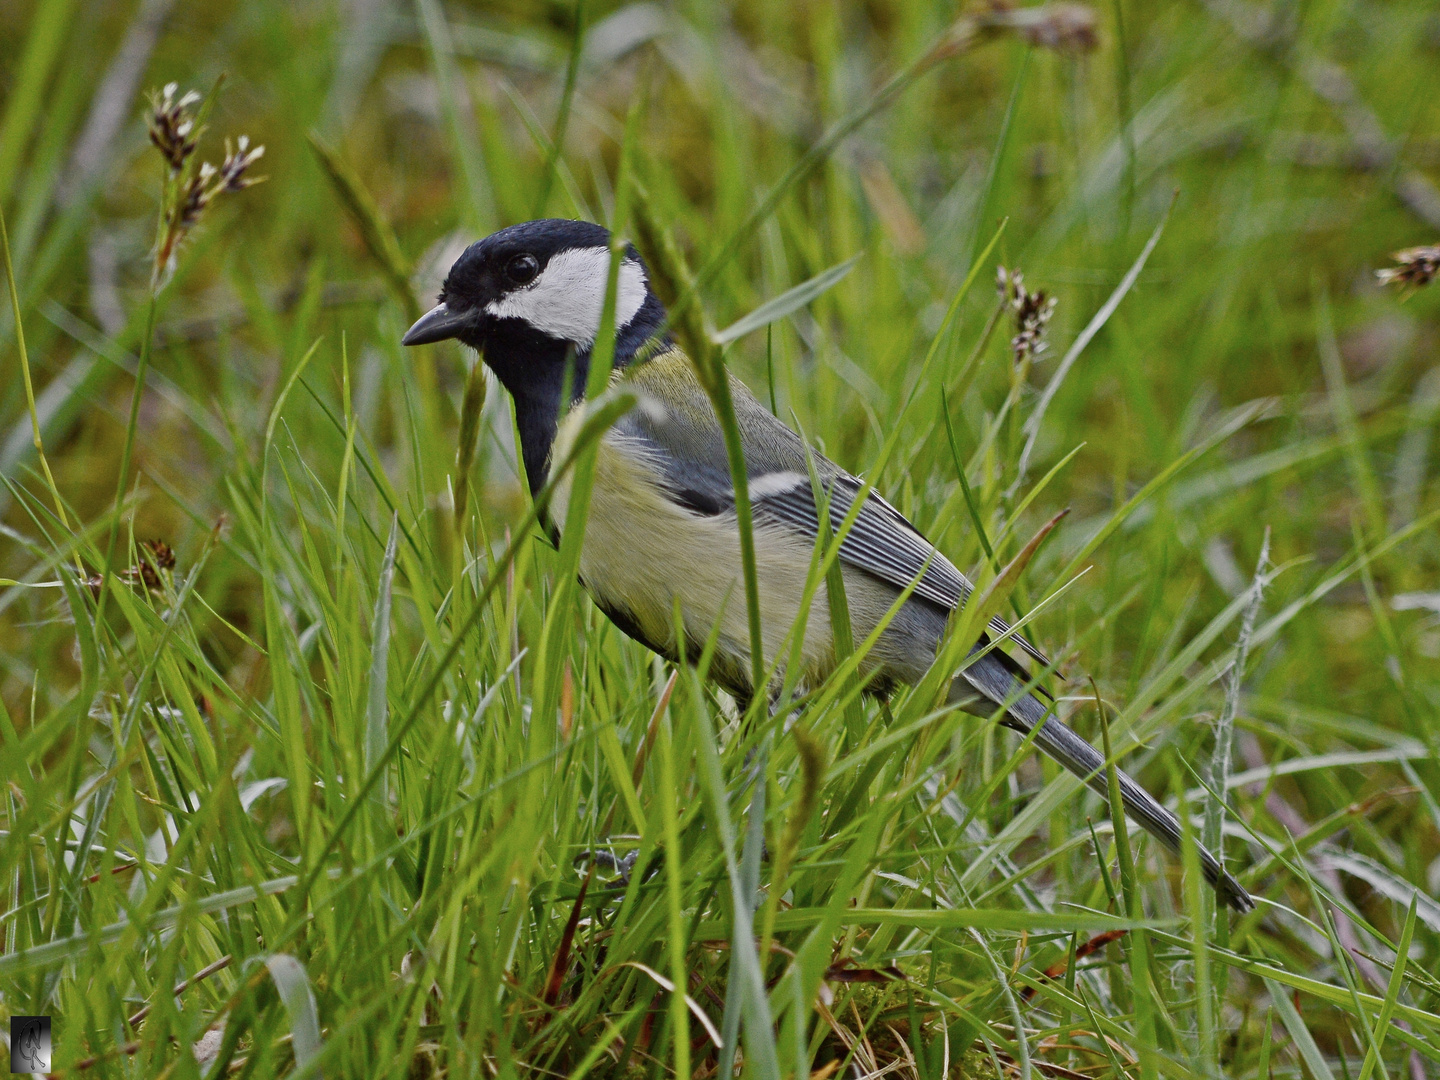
(994, 683)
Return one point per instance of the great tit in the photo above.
(662, 529)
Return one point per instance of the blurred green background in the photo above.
(1295, 146)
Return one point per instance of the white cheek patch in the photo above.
(566, 299)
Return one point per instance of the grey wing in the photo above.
(880, 541)
(689, 450)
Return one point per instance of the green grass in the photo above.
(339, 771)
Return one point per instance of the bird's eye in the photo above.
(522, 269)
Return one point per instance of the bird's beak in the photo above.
(437, 324)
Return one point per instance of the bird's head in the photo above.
(530, 298)
(532, 295)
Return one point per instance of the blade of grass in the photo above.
(753, 1002)
(1309, 1052)
(25, 374)
(1392, 993)
(789, 301)
(669, 795)
(293, 985)
(376, 233)
(27, 92)
(377, 706)
(1140, 986)
(562, 119)
(478, 206)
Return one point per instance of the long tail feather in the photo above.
(995, 684)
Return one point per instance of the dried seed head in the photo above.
(232, 170)
(211, 180)
(189, 191)
(1062, 27)
(162, 553)
(194, 199)
(158, 557)
(1032, 311)
(172, 125)
(1418, 267)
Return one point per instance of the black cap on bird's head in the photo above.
(529, 298)
(538, 280)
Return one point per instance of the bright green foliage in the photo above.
(364, 777)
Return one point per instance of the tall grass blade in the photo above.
(293, 985)
(1392, 993)
(377, 705)
(1219, 772)
(1310, 1054)
(27, 93)
(791, 300)
(752, 1004)
(377, 234)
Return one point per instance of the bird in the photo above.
(662, 532)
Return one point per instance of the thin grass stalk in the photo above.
(126, 451)
(285, 688)
(478, 207)
(1206, 1052)
(1017, 1019)
(1071, 960)
(1219, 772)
(347, 459)
(1368, 1034)
(770, 367)
(562, 119)
(717, 386)
(1383, 1025)
(709, 364)
(745, 973)
(472, 410)
(25, 374)
(741, 997)
(43, 47)
(971, 366)
(1141, 987)
(812, 770)
(981, 533)
(1002, 142)
(674, 894)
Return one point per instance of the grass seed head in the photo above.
(1063, 27)
(237, 161)
(189, 191)
(1032, 311)
(172, 125)
(1417, 268)
(158, 557)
